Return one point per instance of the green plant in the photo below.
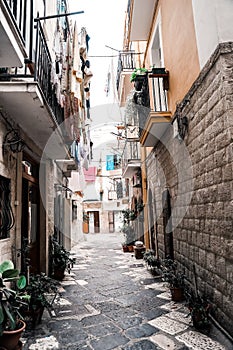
(10, 300)
(171, 275)
(61, 257)
(198, 305)
(39, 287)
(139, 207)
(136, 72)
(128, 215)
(199, 309)
(150, 258)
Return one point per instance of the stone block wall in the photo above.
(204, 235)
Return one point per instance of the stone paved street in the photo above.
(111, 301)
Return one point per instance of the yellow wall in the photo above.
(179, 47)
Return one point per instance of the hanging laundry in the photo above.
(107, 84)
(90, 174)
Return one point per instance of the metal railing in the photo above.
(152, 97)
(131, 152)
(126, 62)
(18, 10)
(39, 71)
(159, 85)
(42, 74)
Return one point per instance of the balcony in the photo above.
(154, 117)
(131, 159)
(126, 65)
(27, 96)
(140, 15)
(12, 51)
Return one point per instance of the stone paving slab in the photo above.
(168, 325)
(198, 341)
(164, 342)
(141, 331)
(179, 316)
(141, 345)
(109, 342)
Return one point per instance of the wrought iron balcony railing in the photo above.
(152, 97)
(126, 62)
(159, 84)
(38, 71)
(18, 10)
(131, 154)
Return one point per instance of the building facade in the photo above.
(44, 106)
(184, 111)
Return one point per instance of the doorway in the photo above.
(111, 221)
(30, 238)
(94, 225)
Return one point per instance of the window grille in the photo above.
(6, 215)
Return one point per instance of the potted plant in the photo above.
(174, 278)
(198, 306)
(138, 77)
(128, 245)
(61, 260)
(11, 321)
(153, 263)
(129, 215)
(43, 291)
(199, 309)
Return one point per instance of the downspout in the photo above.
(144, 196)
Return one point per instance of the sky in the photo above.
(104, 21)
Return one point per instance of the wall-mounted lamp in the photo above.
(14, 141)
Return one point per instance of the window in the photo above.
(6, 214)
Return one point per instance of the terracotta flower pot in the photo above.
(177, 294)
(125, 248)
(58, 274)
(10, 339)
(130, 248)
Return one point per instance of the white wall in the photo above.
(213, 20)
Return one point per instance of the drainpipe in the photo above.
(144, 196)
(18, 208)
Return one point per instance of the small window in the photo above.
(6, 214)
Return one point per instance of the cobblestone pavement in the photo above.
(111, 301)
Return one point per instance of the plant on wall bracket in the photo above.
(137, 73)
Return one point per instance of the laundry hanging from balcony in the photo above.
(71, 78)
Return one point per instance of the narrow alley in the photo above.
(111, 301)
